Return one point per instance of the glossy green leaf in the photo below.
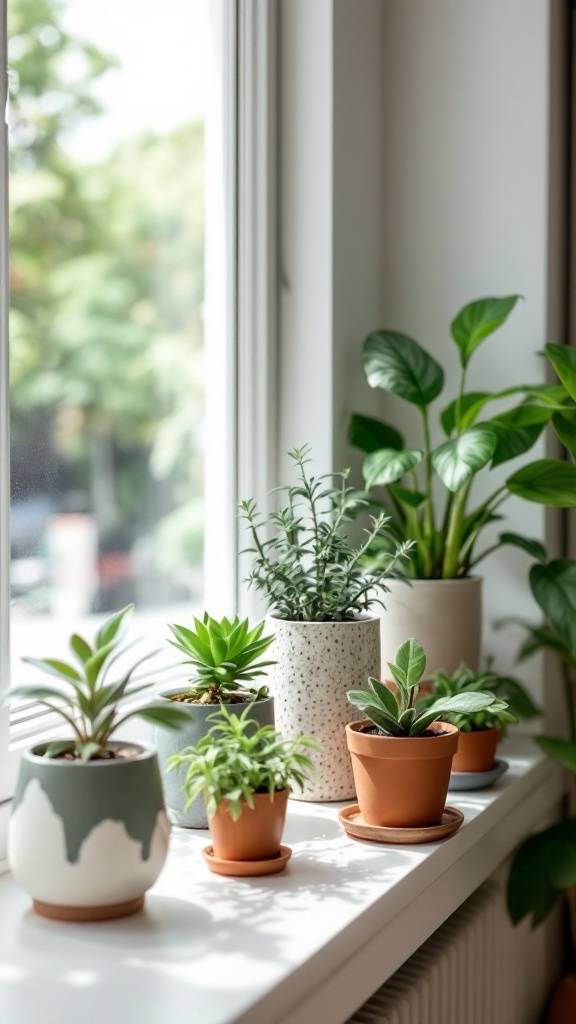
(370, 435)
(388, 465)
(114, 627)
(518, 430)
(562, 751)
(410, 660)
(547, 481)
(165, 713)
(530, 889)
(411, 499)
(467, 408)
(81, 648)
(565, 426)
(531, 546)
(554, 588)
(385, 696)
(54, 667)
(477, 320)
(396, 363)
(456, 461)
(563, 359)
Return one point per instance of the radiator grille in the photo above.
(476, 969)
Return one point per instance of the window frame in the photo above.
(240, 331)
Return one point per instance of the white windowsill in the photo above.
(305, 946)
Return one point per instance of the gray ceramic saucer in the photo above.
(478, 780)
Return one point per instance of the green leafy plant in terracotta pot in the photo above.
(89, 833)
(402, 755)
(427, 488)
(224, 656)
(481, 732)
(244, 772)
(319, 598)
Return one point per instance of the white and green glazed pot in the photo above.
(316, 664)
(86, 840)
(172, 741)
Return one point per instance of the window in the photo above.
(116, 282)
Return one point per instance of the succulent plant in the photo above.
(396, 714)
(91, 706)
(224, 657)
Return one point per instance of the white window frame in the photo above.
(240, 321)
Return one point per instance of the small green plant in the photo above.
(302, 560)
(515, 702)
(224, 657)
(91, 706)
(446, 536)
(398, 715)
(238, 758)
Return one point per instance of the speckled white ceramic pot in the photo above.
(317, 663)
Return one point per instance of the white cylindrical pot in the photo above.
(445, 616)
(317, 663)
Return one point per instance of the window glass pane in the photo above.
(106, 328)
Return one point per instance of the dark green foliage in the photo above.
(511, 700)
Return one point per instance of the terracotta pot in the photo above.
(563, 1006)
(402, 782)
(86, 840)
(258, 832)
(172, 741)
(476, 750)
(445, 616)
(317, 663)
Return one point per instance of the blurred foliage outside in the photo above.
(106, 278)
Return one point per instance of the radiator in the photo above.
(476, 969)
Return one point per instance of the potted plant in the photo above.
(319, 596)
(427, 488)
(89, 833)
(402, 755)
(244, 771)
(225, 657)
(480, 732)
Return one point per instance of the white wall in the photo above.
(438, 192)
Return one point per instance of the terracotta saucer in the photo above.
(247, 868)
(355, 825)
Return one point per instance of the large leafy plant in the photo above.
(544, 866)
(224, 658)
(92, 704)
(302, 559)
(397, 714)
(512, 702)
(237, 758)
(446, 534)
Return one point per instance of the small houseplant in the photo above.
(427, 488)
(402, 755)
(244, 771)
(480, 732)
(319, 597)
(89, 833)
(224, 657)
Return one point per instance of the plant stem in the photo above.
(459, 402)
(429, 514)
(454, 539)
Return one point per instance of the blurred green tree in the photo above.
(106, 299)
